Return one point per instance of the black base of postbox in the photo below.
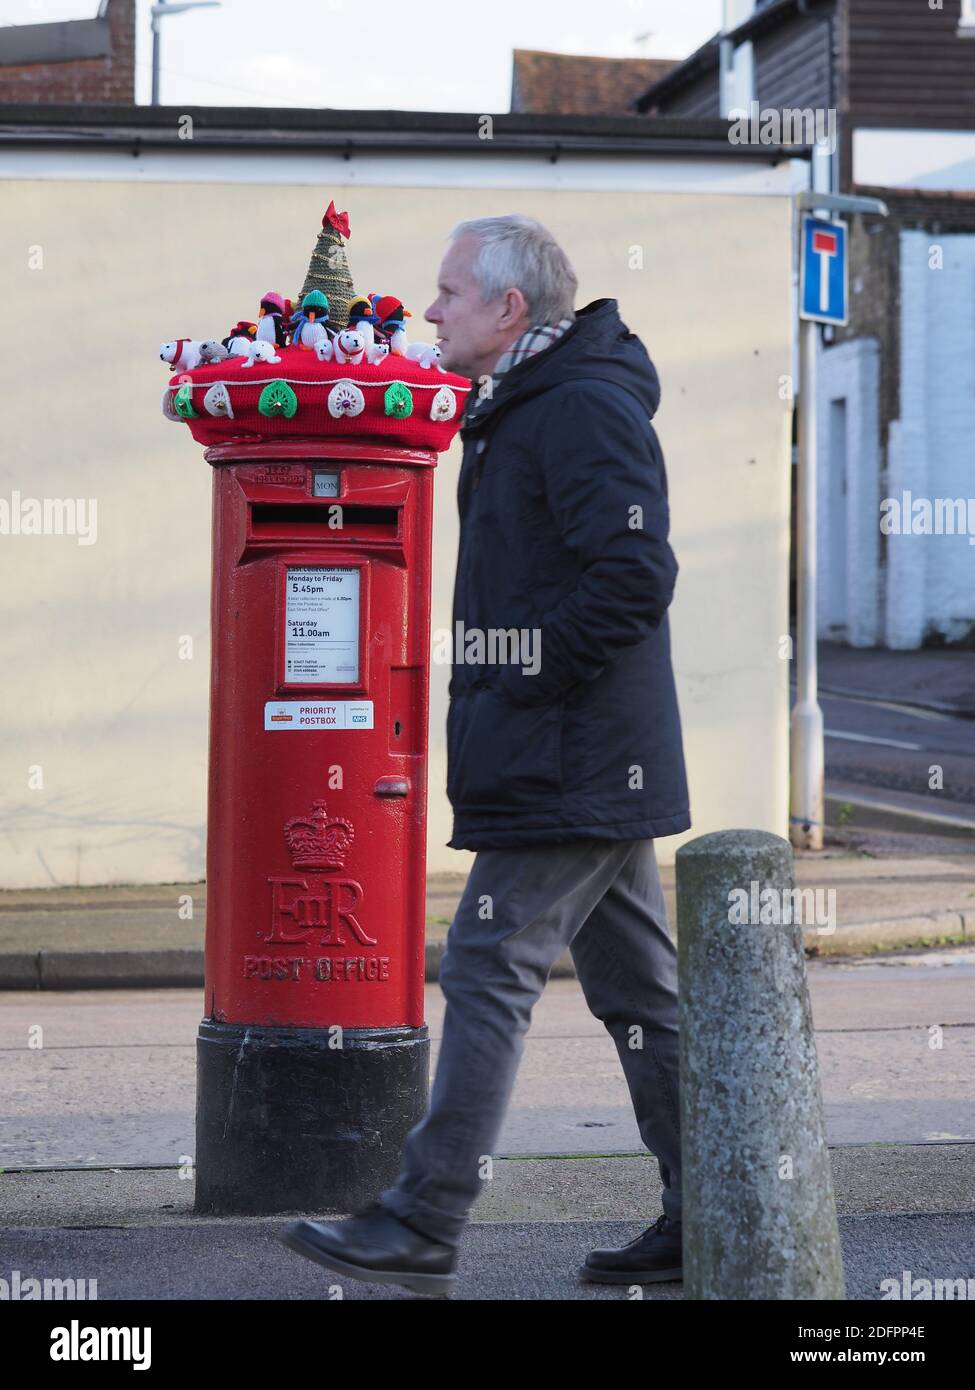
(288, 1121)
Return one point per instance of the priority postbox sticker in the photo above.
(318, 714)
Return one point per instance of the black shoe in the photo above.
(653, 1258)
(376, 1246)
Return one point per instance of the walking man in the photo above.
(564, 755)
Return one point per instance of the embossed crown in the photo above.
(319, 841)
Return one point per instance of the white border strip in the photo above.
(317, 381)
(641, 171)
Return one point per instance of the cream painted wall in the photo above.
(101, 707)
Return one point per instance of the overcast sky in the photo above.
(378, 54)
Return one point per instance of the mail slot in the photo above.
(298, 519)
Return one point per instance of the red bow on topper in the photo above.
(339, 220)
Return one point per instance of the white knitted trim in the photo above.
(316, 381)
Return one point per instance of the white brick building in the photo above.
(896, 423)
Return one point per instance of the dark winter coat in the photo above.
(563, 530)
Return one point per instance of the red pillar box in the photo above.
(318, 734)
(313, 1055)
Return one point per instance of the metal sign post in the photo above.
(823, 298)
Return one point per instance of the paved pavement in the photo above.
(114, 1081)
(109, 1097)
(135, 1233)
(126, 937)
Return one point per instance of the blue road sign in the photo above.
(823, 271)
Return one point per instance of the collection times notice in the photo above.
(322, 625)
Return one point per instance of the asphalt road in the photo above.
(881, 760)
(891, 746)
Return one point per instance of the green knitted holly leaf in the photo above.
(277, 398)
(398, 400)
(183, 403)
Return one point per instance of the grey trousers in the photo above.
(520, 909)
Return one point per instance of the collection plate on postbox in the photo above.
(323, 614)
(323, 605)
(321, 625)
(322, 645)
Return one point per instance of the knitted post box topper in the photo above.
(348, 372)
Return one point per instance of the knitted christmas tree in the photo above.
(328, 269)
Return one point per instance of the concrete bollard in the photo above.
(758, 1209)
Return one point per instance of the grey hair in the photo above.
(519, 253)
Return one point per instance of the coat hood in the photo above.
(598, 345)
